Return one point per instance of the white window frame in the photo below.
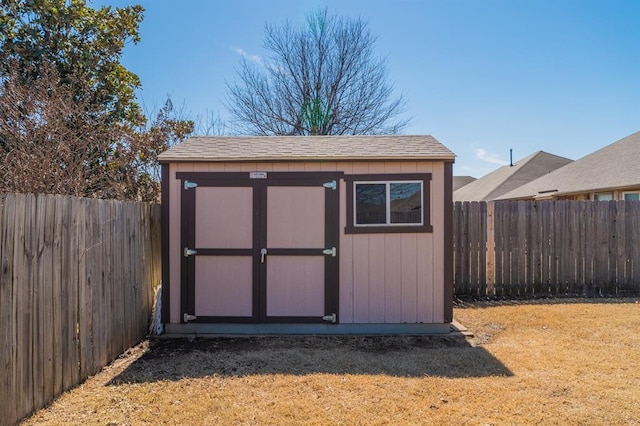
(387, 184)
(595, 195)
(624, 193)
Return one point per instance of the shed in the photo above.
(307, 235)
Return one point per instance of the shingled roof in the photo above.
(308, 148)
(506, 178)
(616, 166)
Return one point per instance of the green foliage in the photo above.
(81, 41)
(70, 103)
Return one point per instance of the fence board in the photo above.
(70, 252)
(40, 303)
(520, 248)
(60, 276)
(7, 318)
(56, 212)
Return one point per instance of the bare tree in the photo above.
(321, 79)
(210, 124)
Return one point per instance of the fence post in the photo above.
(491, 250)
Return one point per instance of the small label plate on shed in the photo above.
(257, 175)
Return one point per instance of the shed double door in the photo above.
(259, 247)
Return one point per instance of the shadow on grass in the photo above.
(175, 359)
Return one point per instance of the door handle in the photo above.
(263, 252)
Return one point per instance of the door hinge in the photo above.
(189, 252)
(187, 317)
(188, 184)
(330, 251)
(331, 318)
(331, 185)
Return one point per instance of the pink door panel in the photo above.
(224, 286)
(224, 217)
(295, 286)
(295, 216)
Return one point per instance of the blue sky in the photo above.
(482, 76)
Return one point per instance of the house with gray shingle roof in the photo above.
(611, 173)
(510, 177)
(460, 181)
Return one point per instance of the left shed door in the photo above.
(221, 228)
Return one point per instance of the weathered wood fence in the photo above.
(528, 248)
(76, 289)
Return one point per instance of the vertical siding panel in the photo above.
(425, 278)
(409, 282)
(200, 167)
(330, 167)
(376, 278)
(280, 167)
(393, 277)
(361, 279)
(346, 257)
(232, 167)
(249, 167)
(296, 167)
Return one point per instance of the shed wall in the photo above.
(384, 278)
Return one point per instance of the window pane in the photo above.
(406, 202)
(371, 203)
(632, 196)
(603, 196)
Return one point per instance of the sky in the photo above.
(481, 76)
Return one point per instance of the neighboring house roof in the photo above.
(325, 148)
(616, 166)
(460, 181)
(506, 178)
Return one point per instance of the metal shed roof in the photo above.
(307, 148)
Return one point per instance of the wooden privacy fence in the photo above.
(76, 290)
(527, 248)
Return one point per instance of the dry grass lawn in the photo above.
(575, 362)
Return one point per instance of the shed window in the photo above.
(388, 203)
